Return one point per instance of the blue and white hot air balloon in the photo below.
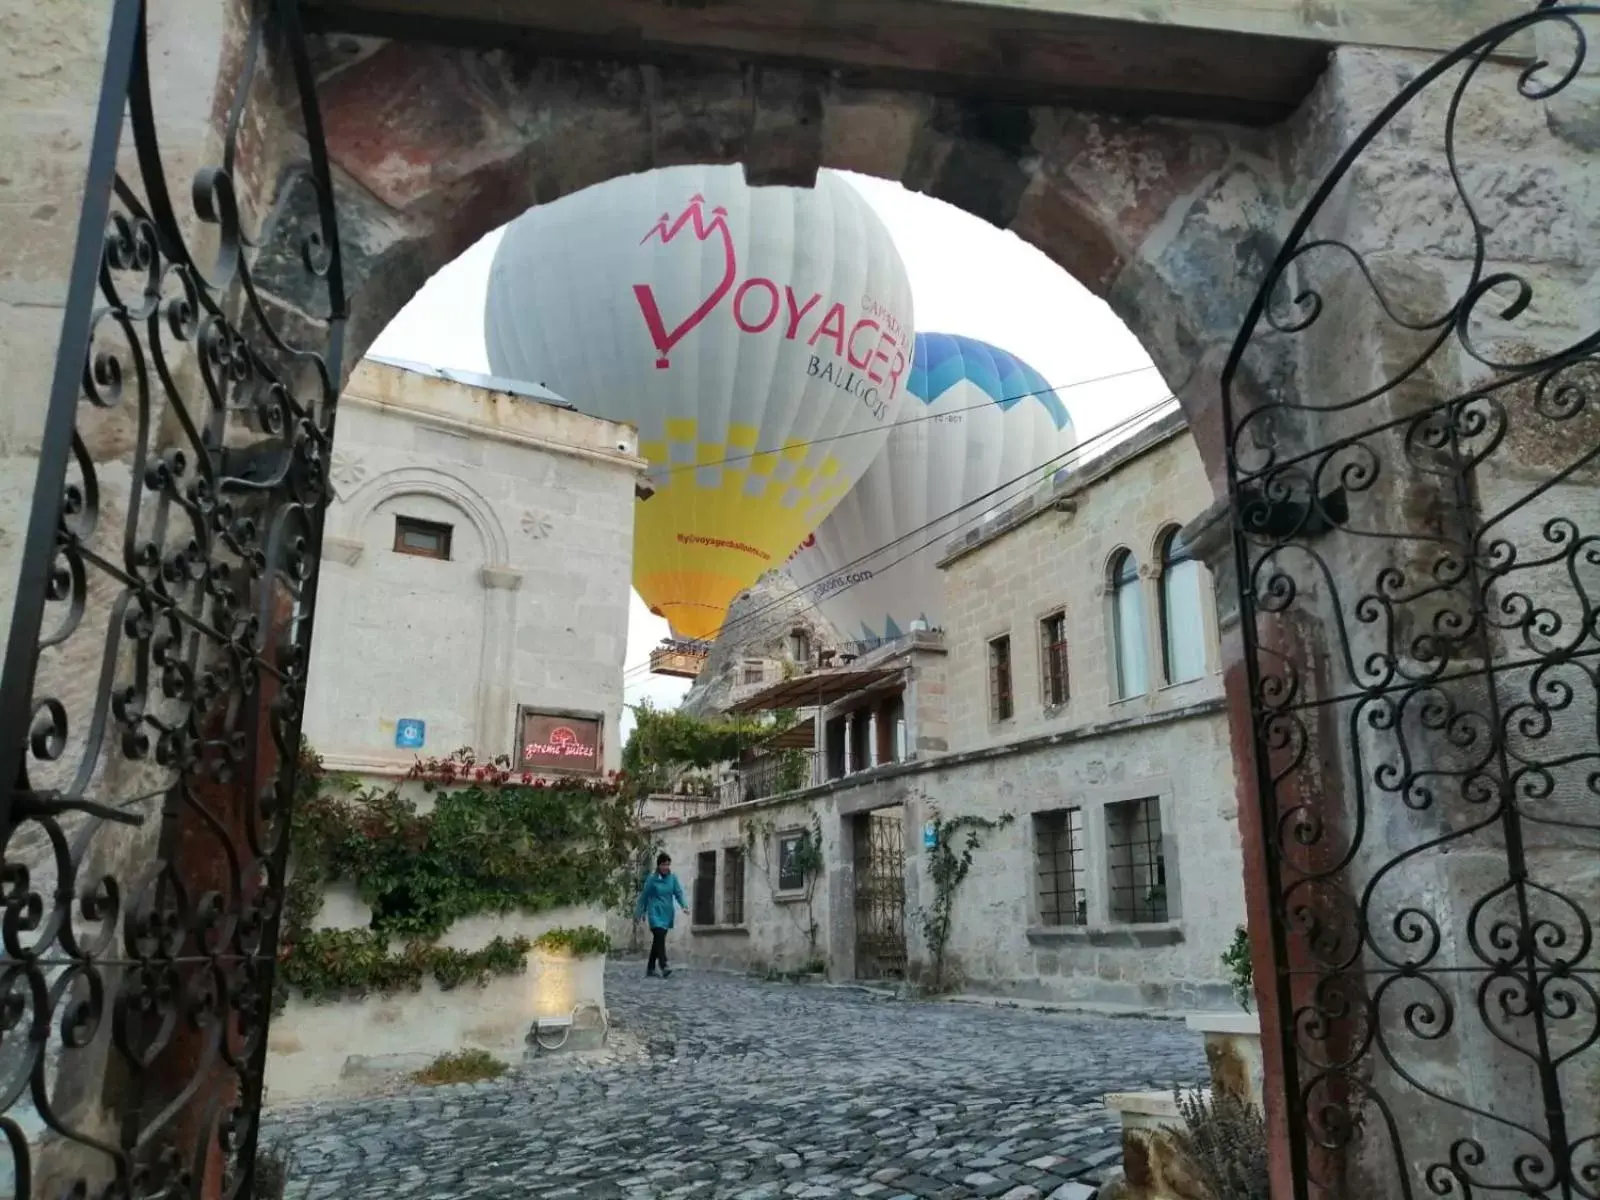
(985, 418)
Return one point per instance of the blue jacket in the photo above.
(660, 899)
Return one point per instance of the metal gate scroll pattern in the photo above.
(155, 669)
(1416, 496)
(881, 899)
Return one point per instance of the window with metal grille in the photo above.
(1000, 701)
(1053, 658)
(1061, 867)
(424, 539)
(755, 671)
(705, 888)
(733, 886)
(1137, 868)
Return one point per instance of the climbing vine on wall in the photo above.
(955, 841)
(761, 841)
(495, 842)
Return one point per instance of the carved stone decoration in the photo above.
(348, 473)
(536, 525)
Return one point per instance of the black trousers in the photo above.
(658, 949)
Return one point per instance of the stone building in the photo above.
(452, 490)
(1077, 692)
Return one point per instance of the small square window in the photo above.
(424, 539)
(1053, 658)
(1001, 705)
(755, 671)
(1136, 862)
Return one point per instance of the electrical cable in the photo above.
(1024, 478)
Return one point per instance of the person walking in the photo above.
(661, 892)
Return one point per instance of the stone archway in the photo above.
(1172, 222)
(1165, 220)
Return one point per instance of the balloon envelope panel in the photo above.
(983, 417)
(757, 337)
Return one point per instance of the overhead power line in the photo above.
(1024, 479)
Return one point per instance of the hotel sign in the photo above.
(558, 741)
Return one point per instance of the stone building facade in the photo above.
(452, 493)
(1117, 881)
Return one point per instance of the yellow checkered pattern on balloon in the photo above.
(714, 525)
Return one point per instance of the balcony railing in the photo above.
(772, 775)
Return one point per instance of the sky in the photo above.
(967, 277)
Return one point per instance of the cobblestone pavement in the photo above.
(719, 1086)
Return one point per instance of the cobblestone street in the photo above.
(718, 1086)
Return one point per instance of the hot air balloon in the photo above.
(985, 418)
(758, 337)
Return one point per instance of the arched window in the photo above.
(1127, 626)
(1183, 630)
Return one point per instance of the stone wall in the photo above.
(532, 606)
(775, 933)
(997, 942)
(1052, 553)
(346, 1046)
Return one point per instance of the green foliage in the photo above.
(663, 739)
(331, 963)
(584, 940)
(949, 867)
(793, 771)
(1241, 971)
(494, 843)
(469, 1066)
(1225, 1143)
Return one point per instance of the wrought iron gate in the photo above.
(155, 668)
(1414, 461)
(880, 867)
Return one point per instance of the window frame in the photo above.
(1002, 680)
(1072, 820)
(404, 524)
(1053, 661)
(800, 649)
(1164, 551)
(797, 834)
(1116, 585)
(1146, 815)
(732, 890)
(704, 910)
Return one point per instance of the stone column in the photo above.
(496, 704)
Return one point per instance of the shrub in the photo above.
(584, 940)
(469, 1066)
(1241, 972)
(1225, 1143)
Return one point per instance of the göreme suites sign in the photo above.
(559, 742)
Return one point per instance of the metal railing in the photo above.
(772, 775)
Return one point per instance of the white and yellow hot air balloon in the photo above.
(760, 339)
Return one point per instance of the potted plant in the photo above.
(1233, 1039)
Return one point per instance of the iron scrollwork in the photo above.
(155, 670)
(1413, 418)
